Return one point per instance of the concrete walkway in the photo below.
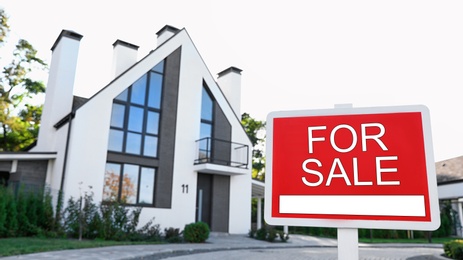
(216, 243)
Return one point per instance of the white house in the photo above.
(450, 188)
(163, 134)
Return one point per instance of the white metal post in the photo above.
(259, 213)
(200, 205)
(348, 244)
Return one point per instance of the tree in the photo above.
(19, 120)
(254, 128)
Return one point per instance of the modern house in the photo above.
(164, 134)
(450, 188)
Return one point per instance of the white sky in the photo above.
(294, 54)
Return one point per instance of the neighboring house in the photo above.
(450, 187)
(163, 135)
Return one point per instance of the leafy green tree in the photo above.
(19, 121)
(254, 128)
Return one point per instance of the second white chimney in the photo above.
(165, 33)
(229, 81)
(124, 56)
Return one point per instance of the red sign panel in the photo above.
(354, 167)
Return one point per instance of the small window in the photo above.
(111, 182)
(117, 116)
(116, 139)
(133, 144)
(138, 91)
(155, 86)
(146, 186)
(159, 67)
(206, 106)
(151, 146)
(129, 184)
(135, 119)
(123, 95)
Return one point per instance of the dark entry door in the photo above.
(204, 198)
(213, 201)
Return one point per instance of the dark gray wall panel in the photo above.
(32, 174)
(222, 132)
(164, 175)
(220, 203)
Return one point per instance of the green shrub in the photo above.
(261, 233)
(252, 233)
(172, 235)
(196, 232)
(454, 249)
(150, 232)
(72, 217)
(271, 235)
(3, 213)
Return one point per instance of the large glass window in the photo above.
(136, 114)
(134, 131)
(129, 184)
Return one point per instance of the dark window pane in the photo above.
(155, 87)
(206, 106)
(111, 182)
(138, 91)
(133, 143)
(151, 146)
(159, 67)
(146, 186)
(123, 95)
(117, 115)
(129, 184)
(135, 119)
(116, 138)
(152, 123)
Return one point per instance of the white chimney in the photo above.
(59, 91)
(165, 33)
(124, 56)
(229, 81)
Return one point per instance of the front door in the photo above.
(213, 200)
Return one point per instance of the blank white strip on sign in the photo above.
(374, 205)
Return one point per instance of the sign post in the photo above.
(351, 168)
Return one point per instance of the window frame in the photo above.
(120, 183)
(126, 102)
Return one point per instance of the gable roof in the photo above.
(450, 170)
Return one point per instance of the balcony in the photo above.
(218, 156)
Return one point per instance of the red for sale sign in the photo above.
(351, 167)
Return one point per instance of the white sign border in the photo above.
(353, 223)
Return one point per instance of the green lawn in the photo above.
(29, 245)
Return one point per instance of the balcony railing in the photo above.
(222, 152)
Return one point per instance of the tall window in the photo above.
(135, 116)
(134, 130)
(207, 107)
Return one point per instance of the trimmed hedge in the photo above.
(454, 249)
(196, 232)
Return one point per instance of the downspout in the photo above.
(66, 149)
